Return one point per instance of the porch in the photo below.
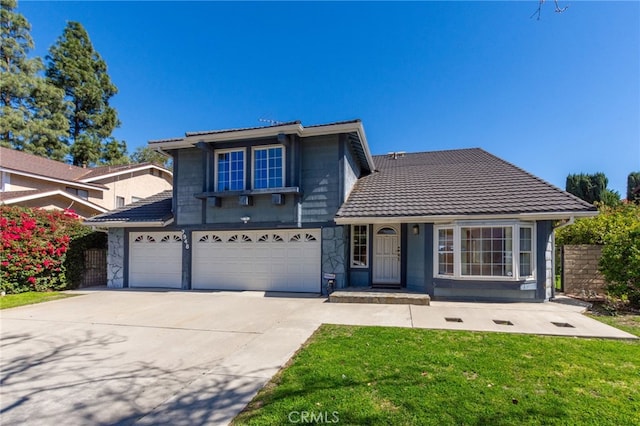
(379, 295)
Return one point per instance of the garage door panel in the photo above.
(257, 260)
(155, 259)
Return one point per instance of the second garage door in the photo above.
(273, 260)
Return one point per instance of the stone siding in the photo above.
(580, 275)
(334, 255)
(115, 258)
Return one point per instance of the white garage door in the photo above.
(155, 259)
(274, 260)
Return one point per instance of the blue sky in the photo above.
(556, 96)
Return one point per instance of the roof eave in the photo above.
(263, 132)
(122, 172)
(78, 183)
(560, 215)
(129, 224)
(38, 195)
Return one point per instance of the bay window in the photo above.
(502, 251)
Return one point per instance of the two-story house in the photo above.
(33, 181)
(287, 207)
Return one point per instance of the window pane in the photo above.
(486, 251)
(445, 251)
(526, 251)
(268, 168)
(359, 246)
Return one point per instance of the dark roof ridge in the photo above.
(240, 129)
(431, 152)
(336, 123)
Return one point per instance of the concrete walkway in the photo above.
(189, 358)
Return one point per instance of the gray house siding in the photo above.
(314, 165)
(351, 171)
(543, 260)
(416, 257)
(262, 210)
(320, 179)
(190, 179)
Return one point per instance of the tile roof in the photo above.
(455, 182)
(156, 208)
(34, 164)
(41, 166)
(96, 172)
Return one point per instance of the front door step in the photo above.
(381, 297)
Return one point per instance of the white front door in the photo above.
(386, 254)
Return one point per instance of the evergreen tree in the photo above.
(633, 187)
(114, 152)
(590, 188)
(78, 69)
(32, 116)
(145, 154)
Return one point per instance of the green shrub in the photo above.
(618, 231)
(620, 263)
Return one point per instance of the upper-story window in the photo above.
(230, 170)
(82, 193)
(268, 167)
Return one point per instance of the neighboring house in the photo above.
(287, 207)
(32, 181)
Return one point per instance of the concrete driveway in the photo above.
(189, 358)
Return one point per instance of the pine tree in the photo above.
(633, 187)
(75, 67)
(32, 116)
(114, 152)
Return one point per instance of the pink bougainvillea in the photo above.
(33, 244)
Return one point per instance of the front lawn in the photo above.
(377, 375)
(624, 321)
(29, 298)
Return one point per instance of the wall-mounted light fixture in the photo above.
(245, 219)
(415, 229)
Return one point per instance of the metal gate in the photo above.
(95, 268)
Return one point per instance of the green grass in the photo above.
(626, 322)
(396, 376)
(29, 298)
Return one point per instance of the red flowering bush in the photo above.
(34, 246)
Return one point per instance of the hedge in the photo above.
(43, 250)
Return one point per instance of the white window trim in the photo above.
(215, 166)
(366, 264)
(457, 257)
(253, 163)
